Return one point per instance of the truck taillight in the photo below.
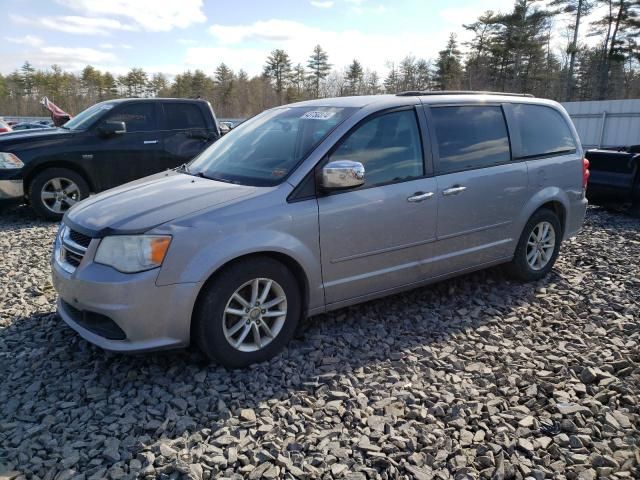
(585, 172)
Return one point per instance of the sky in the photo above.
(171, 36)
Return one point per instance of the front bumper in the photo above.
(149, 317)
(11, 189)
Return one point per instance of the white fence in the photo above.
(607, 123)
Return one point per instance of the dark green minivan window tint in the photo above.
(470, 137)
(543, 131)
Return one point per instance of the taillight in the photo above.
(585, 172)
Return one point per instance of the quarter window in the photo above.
(470, 137)
(181, 116)
(138, 117)
(388, 146)
(543, 131)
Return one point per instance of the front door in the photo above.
(481, 190)
(373, 238)
(122, 157)
(185, 133)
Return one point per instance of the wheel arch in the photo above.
(292, 264)
(56, 164)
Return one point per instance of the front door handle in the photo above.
(454, 190)
(419, 196)
(150, 142)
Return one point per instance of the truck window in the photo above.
(183, 115)
(470, 137)
(138, 117)
(543, 131)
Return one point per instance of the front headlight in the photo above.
(133, 253)
(8, 161)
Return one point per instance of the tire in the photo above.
(213, 325)
(66, 186)
(520, 267)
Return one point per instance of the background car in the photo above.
(28, 126)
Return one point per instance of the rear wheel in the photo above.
(538, 247)
(53, 191)
(248, 313)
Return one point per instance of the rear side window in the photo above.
(543, 131)
(388, 146)
(183, 115)
(470, 137)
(138, 117)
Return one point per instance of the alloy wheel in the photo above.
(59, 194)
(541, 245)
(255, 314)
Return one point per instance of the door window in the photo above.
(388, 146)
(138, 117)
(470, 137)
(543, 131)
(181, 116)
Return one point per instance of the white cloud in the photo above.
(111, 46)
(150, 15)
(30, 40)
(373, 50)
(74, 24)
(186, 41)
(322, 4)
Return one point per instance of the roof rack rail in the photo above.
(413, 93)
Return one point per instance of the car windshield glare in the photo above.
(264, 150)
(87, 117)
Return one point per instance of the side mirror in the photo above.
(110, 128)
(341, 175)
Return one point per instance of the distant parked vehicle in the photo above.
(108, 144)
(615, 176)
(28, 126)
(5, 127)
(315, 206)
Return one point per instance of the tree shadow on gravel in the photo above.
(16, 216)
(61, 391)
(61, 397)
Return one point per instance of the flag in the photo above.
(59, 116)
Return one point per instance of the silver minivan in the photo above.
(314, 206)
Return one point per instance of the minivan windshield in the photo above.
(263, 151)
(85, 119)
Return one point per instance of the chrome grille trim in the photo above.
(70, 253)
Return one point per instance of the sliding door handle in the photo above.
(150, 142)
(454, 190)
(419, 196)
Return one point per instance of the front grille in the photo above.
(72, 249)
(79, 238)
(72, 258)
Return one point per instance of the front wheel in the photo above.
(538, 247)
(248, 313)
(53, 191)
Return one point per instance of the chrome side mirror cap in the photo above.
(342, 174)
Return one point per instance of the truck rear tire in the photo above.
(54, 190)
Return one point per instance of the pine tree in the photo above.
(354, 78)
(449, 66)
(578, 9)
(320, 67)
(278, 70)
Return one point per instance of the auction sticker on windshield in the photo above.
(317, 115)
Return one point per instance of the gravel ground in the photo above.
(476, 377)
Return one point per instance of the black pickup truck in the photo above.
(106, 145)
(615, 176)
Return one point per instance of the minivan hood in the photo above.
(141, 205)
